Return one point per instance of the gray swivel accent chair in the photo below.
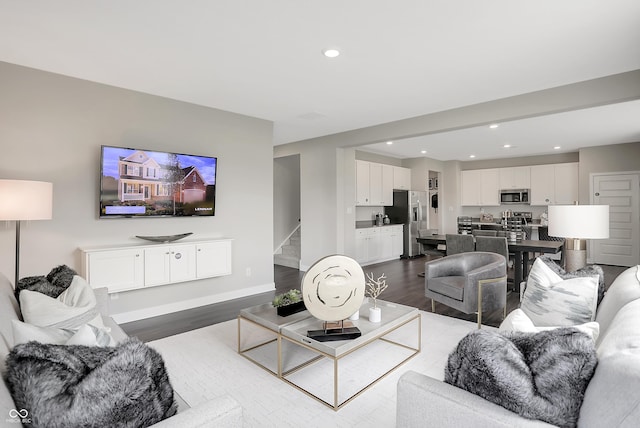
(481, 232)
(459, 244)
(468, 282)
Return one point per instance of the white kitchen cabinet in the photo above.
(378, 244)
(554, 184)
(401, 178)
(122, 268)
(518, 177)
(566, 183)
(374, 184)
(480, 187)
(169, 264)
(362, 183)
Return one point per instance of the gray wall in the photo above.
(614, 158)
(325, 209)
(52, 129)
(286, 197)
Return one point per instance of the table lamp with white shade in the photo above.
(24, 200)
(577, 223)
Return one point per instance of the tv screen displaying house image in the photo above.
(147, 183)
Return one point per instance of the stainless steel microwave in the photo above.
(514, 196)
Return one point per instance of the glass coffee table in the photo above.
(261, 341)
(333, 372)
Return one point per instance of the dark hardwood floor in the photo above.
(405, 287)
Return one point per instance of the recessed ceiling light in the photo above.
(472, 156)
(331, 53)
(556, 148)
(389, 143)
(507, 146)
(423, 152)
(494, 125)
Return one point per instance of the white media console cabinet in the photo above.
(130, 267)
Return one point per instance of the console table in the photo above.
(130, 267)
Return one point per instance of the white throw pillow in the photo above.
(553, 302)
(518, 321)
(72, 309)
(86, 335)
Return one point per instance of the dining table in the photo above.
(520, 250)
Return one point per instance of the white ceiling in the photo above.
(399, 60)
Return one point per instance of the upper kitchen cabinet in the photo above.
(480, 187)
(515, 178)
(401, 178)
(374, 184)
(554, 184)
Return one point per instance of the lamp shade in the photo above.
(579, 221)
(26, 200)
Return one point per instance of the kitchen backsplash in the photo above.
(497, 211)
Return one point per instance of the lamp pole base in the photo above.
(575, 254)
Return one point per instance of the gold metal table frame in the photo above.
(289, 336)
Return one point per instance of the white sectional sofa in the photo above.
(220, 412)
(612, 398)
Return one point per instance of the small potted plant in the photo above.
(375, 287)
(288, 303)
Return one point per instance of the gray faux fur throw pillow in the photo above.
(536, 375)
(82, 386)
(53, 285)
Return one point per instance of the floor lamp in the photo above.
(577, 223)
(24, 200)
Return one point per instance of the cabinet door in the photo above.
(157, 266)
(542, 184)
(386, 243)
(401, 178)
(182, 259)
(471, 187)
(397, 238)
(489, 191)
(362, 246)
(566, 183)
(374, 245)
(375, 184)
(362, 183)
(387, 185)
(117, 270)
(522, 177)
(213, 259)
(515, 178)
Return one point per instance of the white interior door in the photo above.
(621, 191)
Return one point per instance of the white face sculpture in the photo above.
(333, 288)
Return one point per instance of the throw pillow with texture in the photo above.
(589, 270)
(87, 335)
(536, 375)
(550, 301)
(72, 309)
(518, 321)
(81, 386)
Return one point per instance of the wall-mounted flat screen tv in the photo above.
(147, 183)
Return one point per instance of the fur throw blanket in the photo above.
(81, 386)
(53, 285)
(536, 375)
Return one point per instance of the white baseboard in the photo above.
(183, 305)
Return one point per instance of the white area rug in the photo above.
(204, 364)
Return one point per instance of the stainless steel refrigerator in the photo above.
(410, 208)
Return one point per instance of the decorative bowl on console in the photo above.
(165, 238)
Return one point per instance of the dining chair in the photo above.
(459, 244)
(498, 245)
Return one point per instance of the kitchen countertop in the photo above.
(367, 224)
